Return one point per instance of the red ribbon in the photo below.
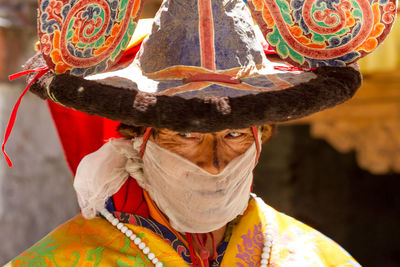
(291, 68)
(269, 51)
(39, 73)
(194, 259)
(146, 137)
(211, 77)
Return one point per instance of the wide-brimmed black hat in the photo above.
(202, 67)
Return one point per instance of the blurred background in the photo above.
(338, 171)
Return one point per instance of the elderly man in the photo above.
(177, 190)
(199, 210)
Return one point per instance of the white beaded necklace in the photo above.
(266, 252)
(136, 240)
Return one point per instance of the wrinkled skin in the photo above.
(210, 151)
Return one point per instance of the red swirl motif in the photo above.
(327, 16)
(54, 11)
(88, 29)
(389, 13)
(45, 44)
(315, 53)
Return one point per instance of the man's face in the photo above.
(210, 151)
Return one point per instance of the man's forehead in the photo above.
(167, 131)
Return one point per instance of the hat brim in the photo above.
(330, 87)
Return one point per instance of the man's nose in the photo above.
(210, 155)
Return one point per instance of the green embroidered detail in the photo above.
(70, 34)
(285, 11)
(127, 245)
(94, 255)
(123, 6)
(101, 15)
(77, 255)
(322, 7)
(282, 48)
(320, 38)
(70, 30)
(125, 39)
(339, 33)
(357, 13)
(317, 38)
(35, 256)
(138, 262)
(99, 42)
(140, 235)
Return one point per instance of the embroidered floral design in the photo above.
(85, 37)
(39, 255)
(314, 33)
(250, 249)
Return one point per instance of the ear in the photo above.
(267, 131)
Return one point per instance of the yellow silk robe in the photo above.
(81, 242)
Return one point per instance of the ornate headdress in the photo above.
(202, 67)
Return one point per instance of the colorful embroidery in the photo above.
(39, 255)
(95, 242)
(158, 229)
(221, 253)
(251, 247)
(313, 33)
(169, 82)
(85, 36)
(167, 235)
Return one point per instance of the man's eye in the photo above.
(185, 135)
(234, 134)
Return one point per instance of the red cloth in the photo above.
(81, 134)
(130, 199)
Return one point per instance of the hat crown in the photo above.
(211, 34)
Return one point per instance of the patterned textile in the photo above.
(169, 82)
(81, 242)
(168, 236)
(313, 33)
(85, 37)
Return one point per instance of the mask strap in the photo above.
(146, 137)
(257, 140)
(258, 147)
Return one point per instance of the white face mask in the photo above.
(194, 200)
